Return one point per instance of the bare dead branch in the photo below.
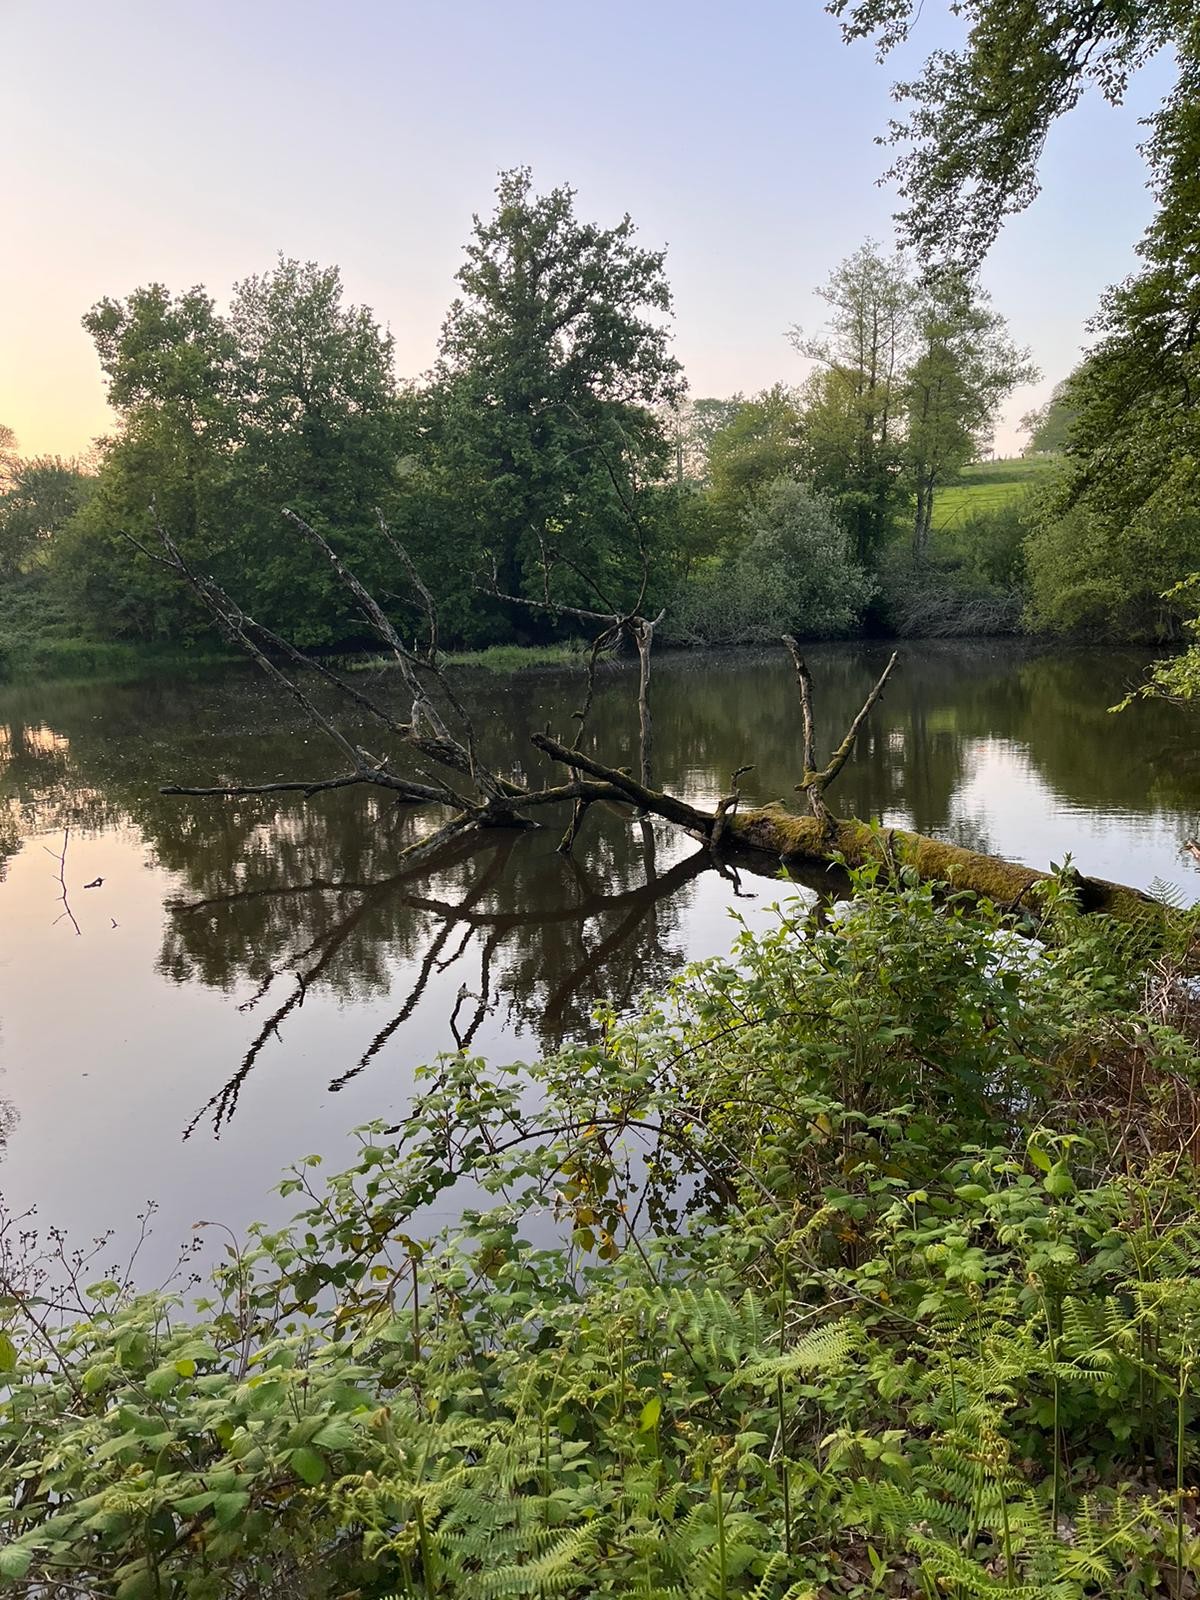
(418, 583)
(814, 782)
(61, 875)
(804, 684)
(234, 622)
(425, 709)
(418, 793)
(645, 798)
(842, 754)
(727, 808)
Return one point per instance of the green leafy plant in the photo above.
(818, 1275)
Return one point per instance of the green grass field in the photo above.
(495, 658)
(987, 487)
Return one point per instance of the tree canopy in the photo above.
(542, 409)
(974, 124)
(287, 399)
(1123, 523)
(550, 458)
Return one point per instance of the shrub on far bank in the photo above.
(943, 600)
(38, 639)
(970, 584)
(1102, 577)
(791, 571)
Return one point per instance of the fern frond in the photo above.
(553, 1572)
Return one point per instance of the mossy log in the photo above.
(796, 838)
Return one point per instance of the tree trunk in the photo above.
(919, 520)
(821, 840)
(643, 634)
(793, 837)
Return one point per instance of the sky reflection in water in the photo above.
(252, 979)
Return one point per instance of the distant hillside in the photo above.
(988, 486)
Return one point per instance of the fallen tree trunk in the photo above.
(793, 837)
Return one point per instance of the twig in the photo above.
(814, 781)
(61, 858)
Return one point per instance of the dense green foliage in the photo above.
(790, 570)
(759, 443)
(974, 124)
(551, 455)
(1176, 678)
(542, 405)
(909, 377)
(1123, 523)
(550, 458)
(38, 497)
(972, 578)
(287, 400)
(863, 1262)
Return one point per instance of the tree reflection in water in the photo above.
(280, 901)
(543, 934)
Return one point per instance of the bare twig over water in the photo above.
(61, 877)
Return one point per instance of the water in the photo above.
(253, 978)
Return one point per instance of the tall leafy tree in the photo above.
(759, 444)
(692, 426)
(854, 403)
(1123, 523)
(320, 431)
(170, 365)
(41, 495)
(225, 419)
(541, 411)
(963, 365)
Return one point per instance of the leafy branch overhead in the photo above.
(975, 122)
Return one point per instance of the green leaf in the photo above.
(308, 1465)
(8, 1354)
(191, 1503)
(337, 1435)
(651, 1412)
(229, 1507)
(15, 1561)
(186, 1369)
(139, 1585)
(1058, 1181)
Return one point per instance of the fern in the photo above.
(553, 1572)
(823, 1350)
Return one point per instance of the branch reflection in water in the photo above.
(544, 935)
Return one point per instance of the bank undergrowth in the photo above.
(862, 1262)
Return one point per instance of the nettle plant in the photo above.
(809, 1279)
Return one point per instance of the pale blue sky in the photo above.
(152, 139)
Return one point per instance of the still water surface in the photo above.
(251, 979)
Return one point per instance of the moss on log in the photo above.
(794, 837)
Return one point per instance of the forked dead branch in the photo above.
(438, 743)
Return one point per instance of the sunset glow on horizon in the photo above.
(163, 144)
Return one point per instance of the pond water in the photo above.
(251, 979)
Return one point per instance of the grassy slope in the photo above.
(987, 486)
